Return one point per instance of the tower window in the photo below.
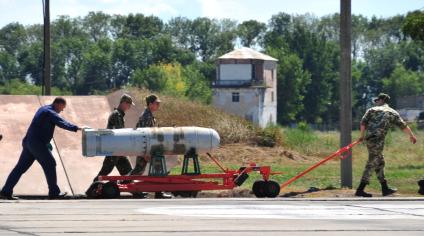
(236, 97)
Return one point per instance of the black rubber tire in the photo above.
(110, 190)
(259, 188)
(95, 190)
(272, 189)
(194, 194)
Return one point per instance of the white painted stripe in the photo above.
(342, 212)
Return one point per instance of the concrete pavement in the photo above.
(213, 216)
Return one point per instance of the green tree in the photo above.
(96, 69)
(204, 31)
(97, 25)
(123, 61)
(31, 62)
(403, 83)
(117, 26)
(180, 30)
(413, 25)
(174, 79)
(8, 67)
(152, 78)
(17, 87)
(300, 36)
(140, 26)
(66, 27)
(12, 37)
(198, 87)
(226, 36)
(250, 32)
(291, 86)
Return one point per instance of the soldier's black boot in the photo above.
(162, 195)
(360, 190)
(385, 190)
(421, 184)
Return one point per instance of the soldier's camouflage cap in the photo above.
(126, 98)
(383, 96)
(151, 99)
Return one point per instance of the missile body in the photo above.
(147, 141)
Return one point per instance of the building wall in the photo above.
(414, 102)
(247, 107)
(269, 107)
(409, 107)
(257, 103)
(235, 72)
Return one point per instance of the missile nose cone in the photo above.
(215, 139)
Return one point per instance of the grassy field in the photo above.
(404, 161)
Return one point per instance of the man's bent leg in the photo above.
(47, 162)
(108, 163)
(123, 165)
(140, 166)
(369, 167)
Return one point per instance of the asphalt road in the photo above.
(212, 216)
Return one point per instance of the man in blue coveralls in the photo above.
(36, 147)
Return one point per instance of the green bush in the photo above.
(299, 136)
(17, 87)
(271, 136)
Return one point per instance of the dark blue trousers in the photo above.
(30, 153)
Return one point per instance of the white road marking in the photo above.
(342, 212)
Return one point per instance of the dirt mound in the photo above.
(245, 153)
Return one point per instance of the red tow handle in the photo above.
(337, 153)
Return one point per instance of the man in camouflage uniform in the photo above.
(147, 120)
(376, 122)
(116, 121)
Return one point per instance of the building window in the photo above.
(272, 96)
(236, 97)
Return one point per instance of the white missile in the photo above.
(146, 141)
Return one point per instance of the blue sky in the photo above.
(30, 11)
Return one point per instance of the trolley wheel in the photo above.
(110, 190)
(272, 189)
(259, 189)
(95, 190)
(194, 194)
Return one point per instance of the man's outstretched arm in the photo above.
(363, 128)
(409, 132)
(62, 123)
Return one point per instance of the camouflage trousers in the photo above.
(375, 162)
(121, 163)
(140, 166)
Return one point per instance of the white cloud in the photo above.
(30, 11)
(122, 7)
(219, 9)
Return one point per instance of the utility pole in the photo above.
(46, 64)
(345, 90)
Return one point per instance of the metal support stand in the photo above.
(158, 166)
(186, 163)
